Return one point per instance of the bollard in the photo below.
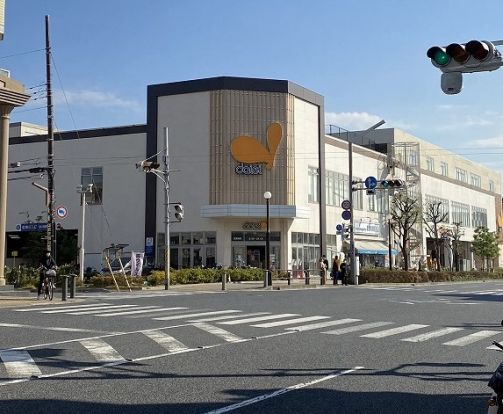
(289, 276)
(73, 285)
(224, 280)
(307, 277)
(64, 287)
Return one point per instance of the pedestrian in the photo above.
(323, 269)
(335, 269)
(344, 273)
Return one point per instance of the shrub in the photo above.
(412, 276)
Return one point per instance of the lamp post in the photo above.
(83, 191)
(267, 196)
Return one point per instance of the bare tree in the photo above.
(433, 216)
(453, 233)
(405, 212)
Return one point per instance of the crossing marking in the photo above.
(58, 308)
(222, 318)
(259, 318)
(103, 309)
(191, 315)
(19, 364)
(395, 331)
(470, 339)
(433, 334)
(312, 326)
(144, 310)
(219, 332)
(357, 328)
(290, 321)
(102, 351)
(166, 341)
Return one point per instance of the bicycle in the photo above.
(495, 403)
(48, 283)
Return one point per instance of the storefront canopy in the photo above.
(372, 247)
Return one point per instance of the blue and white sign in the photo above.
(61, 212)
(33, 227)
(371, 182)
(339, 227)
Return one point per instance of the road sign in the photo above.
(346, 204)
(339, 227)
(33, 227)
(61, 212)
(346, 215)
(370, 182)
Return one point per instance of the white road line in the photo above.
(102, 351)
(258, 318)
(104, 309)
(290, 321)
(192, 315)
(166, 341)
(277, 393)
(222, 318)
(94, 307)
(470, 339)
(221, 333)
(313, 326)
(144, 310)
(46, 328)
(485, 293)
(394, 331)
(432, 334)
(357, 328)
(57, 307)
(19, 364)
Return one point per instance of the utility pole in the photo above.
(51, 239)
(167, 261)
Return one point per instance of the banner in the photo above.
(136, 263)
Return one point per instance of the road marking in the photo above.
(191, 315)
(258, 318)
(101, 310)
(394, 331)
(47, 328)
(312, 326)
(357, 328)
(222, 318)
(221, 333)
(277, 393)
(470, 339)
(56, 307)
(144, 310)
(19, 364)
(430, 335)
(166, 341)
(290, 321)
(102, 351)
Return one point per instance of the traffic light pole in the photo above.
(167, 261)
(352, 252)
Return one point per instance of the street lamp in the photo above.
(267, 196)
(83, 191)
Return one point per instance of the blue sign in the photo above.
(34, 227)
(346, 215)
(339, 227)
(370, 182)
(149, 250)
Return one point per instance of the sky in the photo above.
(366, 57)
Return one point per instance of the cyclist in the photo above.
(46, 263)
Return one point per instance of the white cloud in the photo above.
(352, 121)
(496, 142)
(95, 99)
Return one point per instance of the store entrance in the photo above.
(255, 256)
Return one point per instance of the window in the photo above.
(461, 175)
(460, 213)
(479, 217)
(444, 169)
(94, 176)
(491, 185)
(337, 188)
(357, 197)
(444, 204)
(430, 164)
(413, 157)
(313, 185)
(475, 180)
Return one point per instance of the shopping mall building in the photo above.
(230, 140)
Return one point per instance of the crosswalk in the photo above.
(24, 364)
(447, 290)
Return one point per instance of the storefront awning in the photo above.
(372, 247)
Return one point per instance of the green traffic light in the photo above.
(441, 58)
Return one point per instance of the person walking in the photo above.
(344, 273)
(323, 269)
(335, 269)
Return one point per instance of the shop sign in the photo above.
(367, 228)
(249, 169)
(250, 225)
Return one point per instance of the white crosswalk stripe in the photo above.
(219, 332)
(319, 325)
(153, 309)
(394, 331)
(432, 334)
(57, 308)
(166, 341)
(101, 351)
(192, 315)
(222, 318)
(258, 318)
(470, 339)
(357, 328)
(103, 309)
(290, 321)
(19, 364)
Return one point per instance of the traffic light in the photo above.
(346, 232)
(392, 183)
(148, 166)
(459, 58)
(179, 211)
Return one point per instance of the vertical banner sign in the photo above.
(136, 263)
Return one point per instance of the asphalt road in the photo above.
(366, 349)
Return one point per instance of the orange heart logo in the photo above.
(249, 150)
